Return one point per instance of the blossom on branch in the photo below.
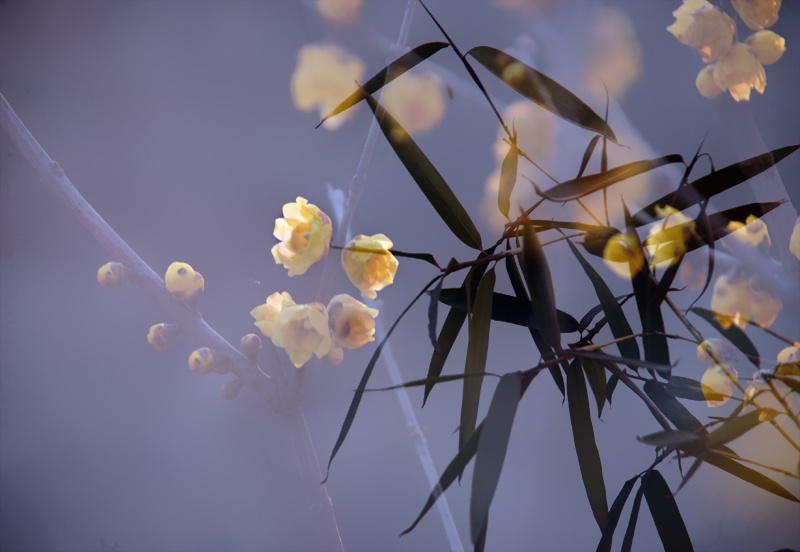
(369, 263)
(183, 281)
(302, 330)
(305, 233)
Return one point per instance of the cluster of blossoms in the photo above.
(315, 329)
(737, 67)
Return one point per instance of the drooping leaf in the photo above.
(427, 257)
(585, 446)
(507, 308)
(540, 285)
(433, 311)
(738, 426)
(477, 349)
(362, 384)
(672, 408)
(630, 531)
(611, 385)
(596, 376)
(584, 185)
(616, 318)
(685, 388)
(613, 515)
(540, 89)
(387, 75)
(670, 438)
(666, 515)
(714, 183)
(747, 474)
(508, 177)
(604, 357)
(428, 381)
(424, 173)
(598, 308)
(733, 334)
(492, 449)
(587, 154)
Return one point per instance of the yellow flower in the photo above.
(700, 25)
(753, 231)
(758, 14)
(731, 301)
(536, 132)
(739, 72)
(305, 233)
(764, 308)
(615, 56)
(325, 75)
(794, 239)
(717, 386)
(183, 282)
(266, 314)
(622, 255)
(666, 242)
(339, 11)
(369, 263)
(352, 322)
(112, 274)
(302, 330)
(416, 101)
(705, 82)
(767, 46)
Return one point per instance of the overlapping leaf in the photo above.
(666, 515)
(733, 334)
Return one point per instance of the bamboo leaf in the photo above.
(685, 388)
(596, 376)
(733, 334)
(604, 357)
(587, 154)
(508, 177)
(540, 89)
(424, 173)
(492, 449)
(585, 446)
(387, 75)
(431, 381)
(613, 515)
(477, 349)
(433, 311)
(630, 531)
(666, 515)
(714, 183)
(734, 428)
(669, 438)
(747, 474)
(540, 285)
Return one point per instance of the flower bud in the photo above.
(305, 233)
(161, 335)
(231, 389)
(705, 82)
(202, 360)
(739, 71)
(717, 386)
(183, 282)
(767, 46)
(250, 345)
(369, 263)
(758, 14)
(266, 315)
(303, 331)
(352, 322)
(112, 274)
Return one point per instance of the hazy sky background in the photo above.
(175, 120)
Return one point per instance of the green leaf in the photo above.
(507, 308)
(614, 315)
(540, 286)
(387, 75)
(436, 190)
(666, 515)
(670, 438)
(733, 334)
(492, 449)
(736, 427)
(596, 376)
(540, 89)
(714, 183)
(362, 384)
(477, 349)
(584, 185)
(630, 531)
(585, 446)
(613, 515)
(508, 177)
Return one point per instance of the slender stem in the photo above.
(776, 335)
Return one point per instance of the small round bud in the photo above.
(183, 281)
(201, 361)
(112, 274)
(250, 345)
(231, 389)
(161, 335)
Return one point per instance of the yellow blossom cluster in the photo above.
(667, 240)
(737, 67)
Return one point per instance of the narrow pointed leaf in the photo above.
(585, 446)
(747, 474)
(736, 427)
(540, 285)
(613, 515)
(670, 438)
(492, 449)
(685, 388)
(477, 349)
(630, 531)
(666, 515)
(429, 381)
(733, 334)
(436, 190)
(433, 311)
(387, 75)
(603, 357)
(508, 177)
(714, 183)
(540, 89)
(587, 154)
(596, 376)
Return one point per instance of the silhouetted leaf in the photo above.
(604, 357)
(477, 349)
(597, 309)
(508, 177)
(733, 334)
(630, 531)
(736, 427)
(579, 187)
(362, 384)
(540, 285)
(587, 155)
(685, 388)
(714, 183)
(387, 75)
(610, 386)
(596, 376)
(436, 190)
(666, 515)
(427, 257)
(672, 408)
(507, 308)
(432, 381)
(540, 89)
(670, 438)
(594, 241)
(585, 446)
(492, 449)
(747, 474)
(613, 515)
(616, 318)
(433, 311)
